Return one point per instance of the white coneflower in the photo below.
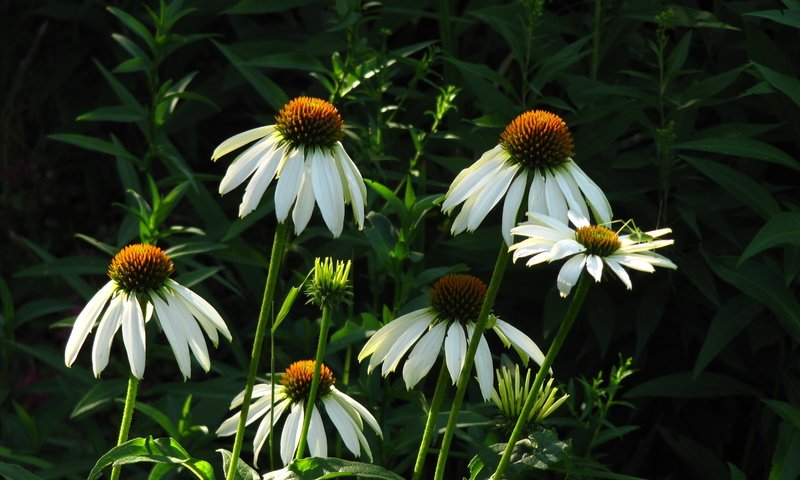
(139, 284)
(590, 246)
(455, 303)
(536, 148)
(291, 394)
(303, 150)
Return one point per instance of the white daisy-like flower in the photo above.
(455, 303)
(291, 395)
(303, 151)
(589, 246)
(535, 149)
(140, 285)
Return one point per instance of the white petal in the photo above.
(245, 164)
(317, 442)
(256, 410)
(572, 193)
(343, 423)
(455, 348)
(206, 315)
(259, 390)
(360, 409)
(258, 184)
(569, 274)
(619, 271)
(462, 219)
(511, 205)
(290, 435)
(404, 341)
(191, 330)
(356, 192)
(423, 356)
(474, 178)
(291, 176)
(537, 194)
(85, 322)
(265, 427)
(519, 340)
(577, 219)
(594, 195)
(483, 364)
(241, 139)
(490, 195)
(565, 248)
(170, 323)
(304, 206)
(594, 265)
(133, 335)
(328, 191)
(108, 327)
(635, 261)
(381, 341)
(556, 204)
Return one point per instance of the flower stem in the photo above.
(466, 371)
(561, 335)
(312, 393)
(430, 424)
(275, 261)
(127, 416)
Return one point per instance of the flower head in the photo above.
(291, 393)
(589, 246)
(139, 285)
(512, 392)
(455, 303)
(330, 285)
(303, 151)
(536, 148)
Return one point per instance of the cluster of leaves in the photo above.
(683, 116)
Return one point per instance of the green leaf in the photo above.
(135, 25)
(158, 416)
(786, 411)
(133, 49)
(161, 450)
(10, 471)
(77, 265)
(684, 385)
(286, 307)
(736, 474)
(782, 229)
(119, 113)
(788, 85)
(121, 92)
(786, 461)
(266, 88)
(94, 144)
(742, 187)
(729, 320)
(318, 468)
(287, 60)
(102, 393)
(786, 17)
(388, 195)
(243, 470)
(741, 147)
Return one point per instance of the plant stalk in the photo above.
(312, 393)
(127, 416)
(430, 424)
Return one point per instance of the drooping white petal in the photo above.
(490, 195)
(257, 409)
(565, 248)
(343, 423)
(536, 195)
(290, 435)
(577, 219)
(455, 349)
(572, 193)
(85, 322)
(594, 195)
(241, 139)
(289, 181)
(519, 340)
(328, 191)
(636, 262)
(317, 441)
(594, 265)
(259, 390)
(423, 356)
(556, 204)
(109, 324)
(191, 330)
(473, 178)
(258, 184)
(304, 206)
(569, 273)
(207, 316)
(170, 323)
(362, 411)
(511, 205)
(619, 271)
(265, 427)
(483, 364)
(356, 190)
(148, 311)
(381, 341)
(403, 343)
(245, 164)
(462, 219)
(133, 335)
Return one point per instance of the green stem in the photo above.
(127, 416)
(598, 11)
(275, 261)
(312, 393)
(466, 372)
(430, 424)
(561, 335)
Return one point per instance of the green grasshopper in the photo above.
(635, 233)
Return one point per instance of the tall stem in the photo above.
(430, 424)
(127, 416)
(466, 371)
(598, 19)
(561, 335)
(312, 393)
(275, 261)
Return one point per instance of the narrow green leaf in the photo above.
(119, 113)
(742, 187)
(729, 320)
(289, 61)
(785, 460)
(741, 147)
(102, 393)
(122, 93)
(75, 265)
(388, 195)
(782, 229)
(266, 88)
(678, 55)
(786, 411)
(684, 385)
(10, 471)
(286, 307)
(93, 144)
(736, 474)
(786, 17)
(788, 85)
(158, 416)
(135, 25)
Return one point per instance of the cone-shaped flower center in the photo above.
(538, 139)
(598, 240)
(297, 379)
(138, 268)
(458, 297)
(309, 122)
